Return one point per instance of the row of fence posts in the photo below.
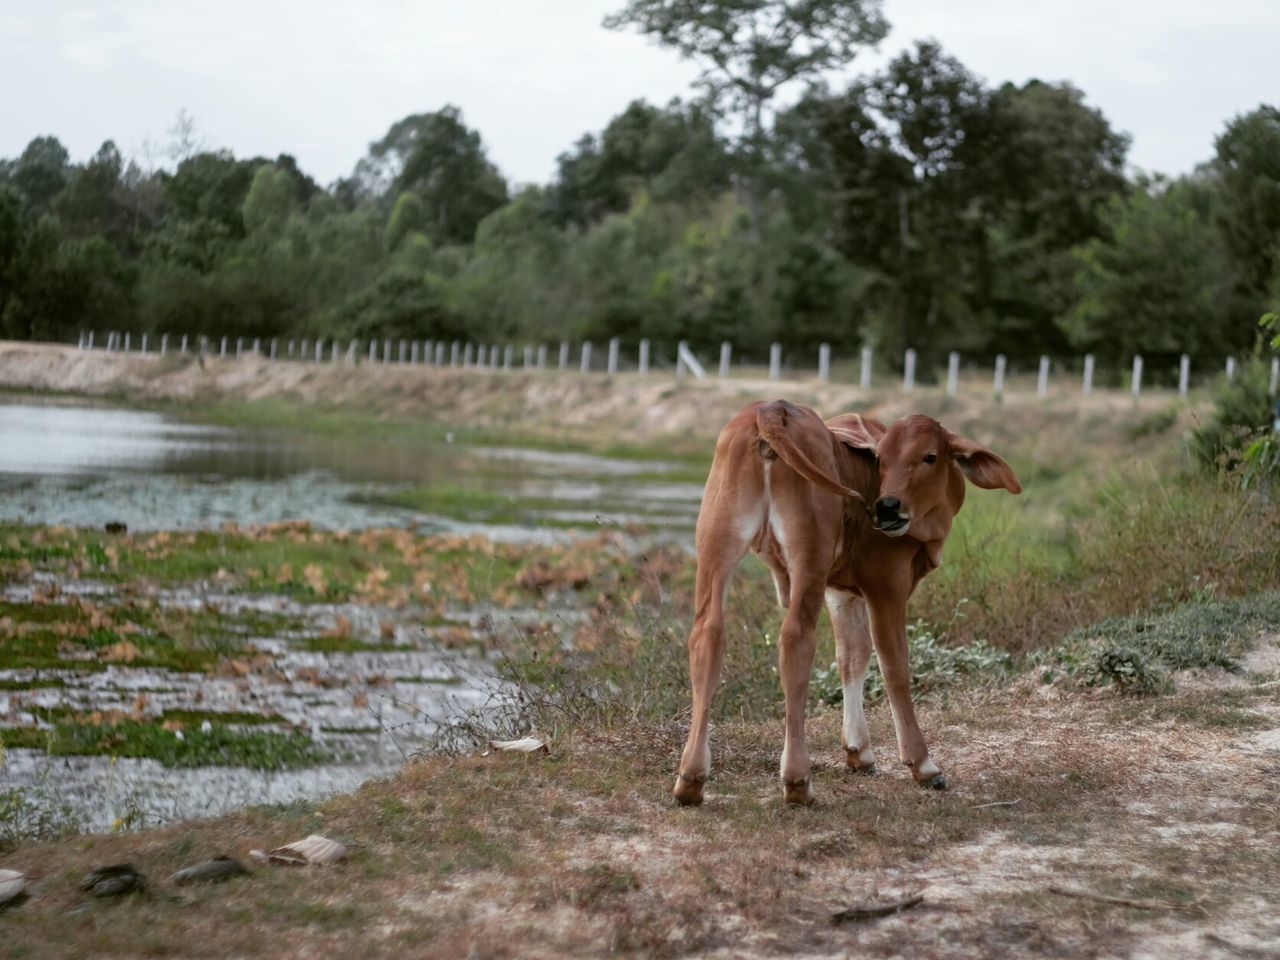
(465, 354)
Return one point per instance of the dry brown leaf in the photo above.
(12, 885)
(314, 850)
(122, 652)
(522, 745)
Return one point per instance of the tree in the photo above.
(1248, 166)
(41, 172)
(670, 153)
(1158, 283)
(439, 158)
(272, 199)
(753, 48)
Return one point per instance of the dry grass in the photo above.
(579, 853)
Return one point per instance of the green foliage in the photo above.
(917, 207)
(1136, 653)
(935, 664)
(1241, 420)
(1158, 284)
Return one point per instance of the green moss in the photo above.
(219, 746)
(197, 717)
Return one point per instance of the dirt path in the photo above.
(1168, 800)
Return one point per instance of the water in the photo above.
(86, 465)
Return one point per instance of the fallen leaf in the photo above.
(522, 745)
(314, 850)
(122, 652)
(12, 885)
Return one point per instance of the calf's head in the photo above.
(922, 467)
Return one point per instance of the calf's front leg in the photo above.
(889, 631)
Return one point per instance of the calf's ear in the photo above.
(982, 467)
(857, 431)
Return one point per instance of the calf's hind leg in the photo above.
(853, 653)
(723, 536)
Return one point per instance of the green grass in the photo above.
(64, 636)
(219, 746)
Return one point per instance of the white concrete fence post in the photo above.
(1087, 387)
(824, 362)
(1231, 368)
(386, 350)
(414, 353)
(953, 373)
(183, 348)
(726, 359)
(352, 349)
(224, 346)
(1274, 383)
(909, 370)
(144, 343)
(335, 351)
(275, 346)
(466, 354)
(775, 361)
(527, 356)
(681, 347)
(126, 342)
(864, 375)
(542, 356)
(1042, 378)
(564, 355)
(164, 344)
(613, 356)
(643, 360)
(1136, 385)
(585, 364)
(257, 346)
(319, 349)
(1184, 375)
(373, 350)
(997, 381)
(453, 354)
(480, 355)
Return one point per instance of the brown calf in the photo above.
(848, 511)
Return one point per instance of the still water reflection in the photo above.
(84, 465)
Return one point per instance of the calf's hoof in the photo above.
(798, 793)
(688, 790)
(854, 761)
(935, 782)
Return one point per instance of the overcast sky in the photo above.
(320, 79)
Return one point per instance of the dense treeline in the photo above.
(918, 207)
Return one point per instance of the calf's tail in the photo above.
(773, 421)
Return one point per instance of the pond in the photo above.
(402, 676)
(84, 465)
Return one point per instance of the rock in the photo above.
(113, 881)
(210, 871)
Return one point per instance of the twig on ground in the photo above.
(1125, 901)
(869, 911)
(996, 803)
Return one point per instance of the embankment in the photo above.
(596, 407)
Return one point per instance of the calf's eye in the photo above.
(930, 458)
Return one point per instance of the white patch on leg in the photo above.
(927, 769)
(857, 735)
